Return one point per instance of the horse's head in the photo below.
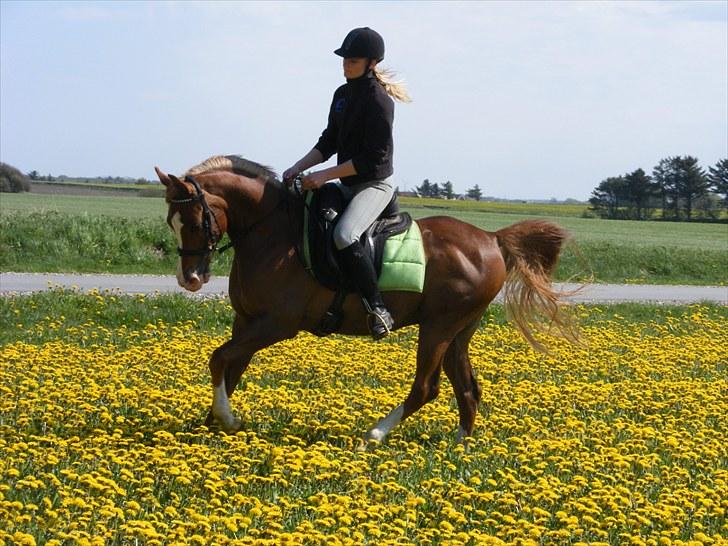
(199, 220)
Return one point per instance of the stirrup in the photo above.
(379, 320)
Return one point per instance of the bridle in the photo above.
(207, 218)
(295, 188)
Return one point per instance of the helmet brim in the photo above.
(341, 53)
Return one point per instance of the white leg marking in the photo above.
(387, 424)
(177, 227)
(221, 407)
(462, 436)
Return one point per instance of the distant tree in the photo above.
(665, 178)
(447, 190)
(435, 190)
(681, 182)
(639, 190)
(609, 196)
(475, 193)
(718, 178)
(12, 180)
(425, 189)
(33, 175)
(692, 184)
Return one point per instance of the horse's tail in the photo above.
(531, 251)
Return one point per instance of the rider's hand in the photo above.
(290, 173)
(313, 181)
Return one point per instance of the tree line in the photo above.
(428, 189)
(36, 176)
(12, 180)
(678, 186)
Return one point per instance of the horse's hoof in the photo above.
(463, 439)
(367, 444)
(236, 425)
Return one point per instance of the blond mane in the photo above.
(234, 164)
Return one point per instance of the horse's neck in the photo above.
(249, 201)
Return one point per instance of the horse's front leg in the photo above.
(230, 360)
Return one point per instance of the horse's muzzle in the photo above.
(193, 281)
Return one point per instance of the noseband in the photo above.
(207, 218)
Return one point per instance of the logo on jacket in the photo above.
(339, 105)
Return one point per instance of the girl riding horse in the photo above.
(359, 131)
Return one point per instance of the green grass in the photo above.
(38, 317)
(116, 206)
(33, 318)
(59, 233)
(595, 230)
(54, 241)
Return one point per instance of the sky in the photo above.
(529, 100)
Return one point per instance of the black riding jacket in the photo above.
(360, 129)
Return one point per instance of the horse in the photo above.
(274, 297)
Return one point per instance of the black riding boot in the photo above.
(360, 270)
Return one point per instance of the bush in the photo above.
(12, 180)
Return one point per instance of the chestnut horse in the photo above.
(274, 297)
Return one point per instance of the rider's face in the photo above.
(354, 67)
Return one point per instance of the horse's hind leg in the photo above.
(460, 373)
(426, 386)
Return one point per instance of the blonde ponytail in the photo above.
(395, 89)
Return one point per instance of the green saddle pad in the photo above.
(403, 262)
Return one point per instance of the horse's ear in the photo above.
(163, 177)
(180, 184)
(171, 181)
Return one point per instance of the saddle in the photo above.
(323, 208)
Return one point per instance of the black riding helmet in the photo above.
(362, 42)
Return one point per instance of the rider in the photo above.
(359, 131)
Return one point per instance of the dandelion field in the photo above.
(624, 441)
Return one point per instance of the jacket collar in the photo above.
(367, 76)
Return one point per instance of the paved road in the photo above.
(150, 284)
